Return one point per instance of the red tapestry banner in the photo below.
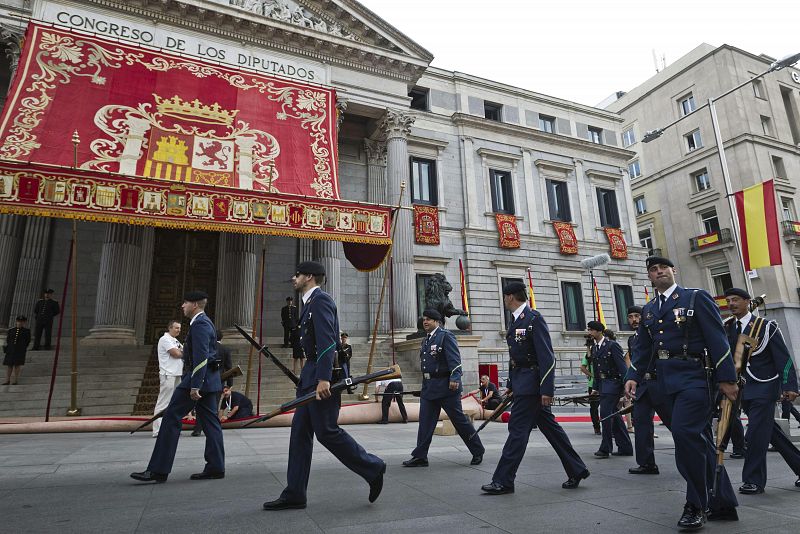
(616, 241)
(426, 224)
(507, 228)
(49, 191)
(566, 237)
(141, 112)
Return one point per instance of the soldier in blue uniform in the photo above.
(200, 388)
(768, 376)
(440, 362)
(649, 401)
(682, 334)
(609, 370)
(319, 336)
(531, 379)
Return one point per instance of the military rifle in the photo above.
(624, 411)
(268, 354)
(583, 400)
(401, 393)
(384, 374)
(505, 402)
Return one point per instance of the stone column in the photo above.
(330, 254)
(11, 229)
(33, 256)
(236, 295)
(376, 193)
(117, 287)
(396, 126)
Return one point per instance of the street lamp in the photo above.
(651, 135)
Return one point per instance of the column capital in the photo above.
(376, 151)
(396, 124)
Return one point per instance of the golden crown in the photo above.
(194, 111)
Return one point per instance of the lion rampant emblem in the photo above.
(215, 152)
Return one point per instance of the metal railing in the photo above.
(710, 240)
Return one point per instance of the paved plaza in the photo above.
(79, 483)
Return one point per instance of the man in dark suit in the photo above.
(609, 370)
(440, 362)
(319, 333)
(44, 311)
(531, 379)
(682, 332)
(200, 388)
(288, 321)
(769, 375)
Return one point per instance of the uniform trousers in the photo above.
(594, 412)
(695, 454)
(167, 442)
(526, 413)
(613, 427)
(644, 407)
(320, 418)
(761, 431)
(166, 389)
(429, 411)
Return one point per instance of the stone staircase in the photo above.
(108, 382)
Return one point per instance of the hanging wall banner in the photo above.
(153, 114)
(426, 224)
(507, 228)
(566, 237)
(616, 240)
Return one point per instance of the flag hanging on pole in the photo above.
(758, 225)
(646, 294)
(598, 307)
(531, 296)
(464, 297)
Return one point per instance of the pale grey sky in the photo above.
(584, 50)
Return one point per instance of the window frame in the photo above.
(507, 191)
(787, 205)
(594, 135)
(696, 183)
(423, 92)
(693, 138)
(579, 325)
(758, 89)
(547, 119)
(705, 220)
(622, 307)
(559, 190)
(491, 108)
(766, 125)
(634, 164)
(649, 237)
(628, 137)
(687, 101)
(778, 167)
(421, 303)
(643, 209)
(721, 271)
(433, 184)
(603, 205)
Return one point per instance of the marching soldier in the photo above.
(440, 362)
(649, 401)
(769, 375)
(319, 333)
(200, 388)
(682, 334)
(609, 370)
(531, 376)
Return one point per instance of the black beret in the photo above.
(596, 325)
(737, 292)
(430, 313)
(311, 267)
(513, 287)
(344, 334)
(21, 318)
(658, 260)
(634, 309)
(49, 291)
(195, 296)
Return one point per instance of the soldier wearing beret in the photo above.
(15, 349)
(440, 361)
(531, 379)
(682, 335)
(649, 401)
(768, 375)
(319, 339)
(200, 388)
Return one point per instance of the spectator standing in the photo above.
(16, 347)
(44, 311)
(288, 321)
(170, 368)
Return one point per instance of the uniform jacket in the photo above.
(770, 369)
(319, 338)
(45, 309)
(609, 361)
(663, 329)
(289, 316)
(645, 384)
(17, 341)
(439, 354)
(529, 342)
(199, 350)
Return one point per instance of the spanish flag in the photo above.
(597, 306)
(758, 224)
(646, 294)
(464, 297)
(531, 296)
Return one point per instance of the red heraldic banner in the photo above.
(566, 237)
(507, 228)
(146, 113)
(426, 224)
(616, 241)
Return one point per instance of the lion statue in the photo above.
(437, 289)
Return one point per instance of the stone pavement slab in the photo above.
(79, 483)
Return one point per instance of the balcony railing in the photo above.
(791, 229)
(710, 240)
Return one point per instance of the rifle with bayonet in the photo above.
(624, 411)
(233, 372)
(583, 400)
(268, 355)
(505, 402)
(384, 374)
(399, 394)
